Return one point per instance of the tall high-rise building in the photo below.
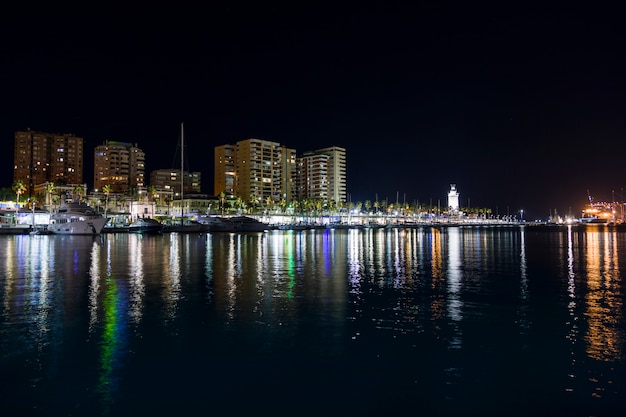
(120, 165)
(224, 170)
(312, 176)
(322, 174)
(262, 168)
(256, 167)
(47, 157)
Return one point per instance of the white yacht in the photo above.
(76, 218)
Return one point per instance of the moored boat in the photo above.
(18, 229)
(233, 224)
(75, 218)
(188, 226)
(294, 226)
(145, 225)
(248, 224)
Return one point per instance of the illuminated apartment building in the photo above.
(168, 180)
(47, 157)
(256, 167)
(312, 176)
(224, 170)
(120, 165)
(322, 174)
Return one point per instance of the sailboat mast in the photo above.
(182, 175)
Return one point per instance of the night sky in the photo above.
(521, 108)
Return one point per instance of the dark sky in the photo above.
(522, 108)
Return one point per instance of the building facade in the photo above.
(47, 157)
(120, 165)
(322, 174)
(224, 170)
(169, 181)
(256, 168)
(268, 170)
(312, 176)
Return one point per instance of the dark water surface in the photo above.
(473, 321)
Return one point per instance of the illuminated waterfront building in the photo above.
(47, 157)
(169, 180)
(120, 165)
(266, 169)
(256, 168)
(323, 174)
(224, 170)
(312, 176)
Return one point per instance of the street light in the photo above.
(522, 215)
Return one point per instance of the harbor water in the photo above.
(425, 321)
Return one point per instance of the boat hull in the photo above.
(183, 228)
(239, 224)
(82, 227)
(145, 227)
(145, 230)
(15, 230)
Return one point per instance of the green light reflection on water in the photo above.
(110, 341)
(291, 266)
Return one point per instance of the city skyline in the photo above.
(521, 109)
(42, 157)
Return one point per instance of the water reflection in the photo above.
(136, 275)
(208, 268)
(173, 273)
(604, 301)
(455, 284)
(455, 274)
(108, 313)
(111, 342)
(524, 308)
(432, 311)
(572, 319)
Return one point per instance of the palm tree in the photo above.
(94, 201)
(239, 204)
(55, 199)
(296, 206)
(222, 201)
(384, 205)
(19, 188)
(132, 193)
(79, 191)
(34, 199)
(254, 202)
(269, 203)
(50, 189)
(167, 200)
(153, 196)
(152, 193)
(332, 206)
(106, 189)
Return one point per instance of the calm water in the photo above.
(452, 321)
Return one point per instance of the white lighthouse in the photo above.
(453, 199)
